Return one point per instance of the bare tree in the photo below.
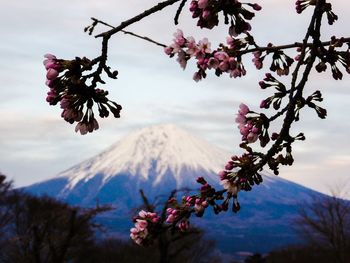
(325, 223)
(43, 229)
(5, 187)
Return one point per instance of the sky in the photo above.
(36, 144)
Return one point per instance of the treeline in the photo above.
(45, 230)
(325, 226)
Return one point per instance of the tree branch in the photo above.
(137, 18)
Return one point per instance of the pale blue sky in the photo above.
(35, 143)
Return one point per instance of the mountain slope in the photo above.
(161, 158)
(151, 158)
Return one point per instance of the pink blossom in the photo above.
(206, 14)
(240, 119)
(252, 137)
(95, 125)
(204, 45)
(49, 83)
(51, 95)
(65, 103)
(198, 208)
(50, 56)
(221, 55)
(233, 62)
(51, 64)
(134, 230)
(230, 41)
(171, 218)
(256, 7)
(230, 187)
(72, 115)
(179, 38)
(182, 59)
(202, 4)
(141, 224)
(243, 109)
(51, 74)
(255, 130)
(168, 50)
(192, 46)
(222, 175)
(224, 65)
(229, 166)
(82, 128)
(197, 76)
(183, 225)
(244, 130)
(257, 62)
(142, 214)
(213, 63)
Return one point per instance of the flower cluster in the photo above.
(176, 217)
(243, 177)
(53, 68)
(334, 56)
(276, 99)
(224, 59)
(145, 223)
(301, 5)
(248, 129)
(69, 88)
(281, 63)
(207, 13)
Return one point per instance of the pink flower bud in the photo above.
(170, 219)
(206, 14)
(255, 130)
(244, 130)
(243, 109)
(256, 7)
(263, 104)
(49, 56)
(202, 4)
(229, 166)
(168, 50)
(252, 137)
(51, 74)
(49, 83)
(222, 175)
(197, 76)
(141, 224)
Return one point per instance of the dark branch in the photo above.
(137, 18)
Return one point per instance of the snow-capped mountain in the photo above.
(154, 158)
(161, 158)
(161, 149)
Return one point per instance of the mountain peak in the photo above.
(159, 150)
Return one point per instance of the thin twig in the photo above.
(288, 46)
(137, 18)
(179, 10)
(129, 33)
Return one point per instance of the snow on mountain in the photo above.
(167, 147)
(161, 158)
(157, 158)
